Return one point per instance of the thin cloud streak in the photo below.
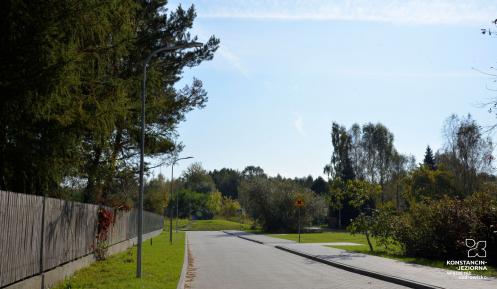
(404, 74)
(298, 124)
(230, 57)
(233, 59)
(394, 11)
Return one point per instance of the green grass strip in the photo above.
(208, 225)
(161, 267)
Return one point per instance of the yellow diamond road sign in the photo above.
(299, 202)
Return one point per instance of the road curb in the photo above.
(245, 238)
(252, 240)
(181, 282)
(373, 274)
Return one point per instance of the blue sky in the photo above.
(286, 69)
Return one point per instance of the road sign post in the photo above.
(299, 203)
(299, 224)
(240, 212)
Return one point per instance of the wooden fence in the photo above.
(38, 234)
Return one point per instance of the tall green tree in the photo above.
(356, 152)
(320, 186)
(361, 195)
(401, 165)
(227, 181)
(467, 152)
(337, 203)
(305, 182)
(70, 85)
(197, 179)
(378, 149)
(340, 164)
(429, 159)
(156, 195)
(253, 171)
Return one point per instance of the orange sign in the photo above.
(299, 202)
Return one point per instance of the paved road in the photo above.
(436, 277)
(225, 261)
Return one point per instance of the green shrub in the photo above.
(230, 208)
(192, 204)
(214, 202)
(437, 229)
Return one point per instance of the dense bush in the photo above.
(156, 195)
(438, 228)
(223, 206)
(427, 183)
(230, 209)
(214, 202)
(271, 203)
(192, 204)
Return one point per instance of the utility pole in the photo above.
(177, 201)
(171, 207)
(142, 146)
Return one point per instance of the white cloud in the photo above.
(227, 55)
(357, 72)
(298, 123)
(472, 12)
(233, 59)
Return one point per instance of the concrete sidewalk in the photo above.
(417, 276)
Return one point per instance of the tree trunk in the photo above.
(369, 241)
(116, 148)
(90, 191)
(397, 197)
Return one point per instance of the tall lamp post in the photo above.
(177, 200)
(142, 145)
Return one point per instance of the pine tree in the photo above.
(429, 160)
(70, 91)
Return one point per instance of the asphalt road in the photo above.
(224, 261)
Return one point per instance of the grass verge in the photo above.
(326, 237)
(392, 252)
(161, 267)
(182, 224)
(207, 225)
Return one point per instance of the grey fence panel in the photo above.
(70, 230)
(120, 227)
(125, 225)
(20, 236)
(117, 232)
(152, 222)
(132, 224)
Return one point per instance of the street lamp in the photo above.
(142, 145)
(177, 201)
